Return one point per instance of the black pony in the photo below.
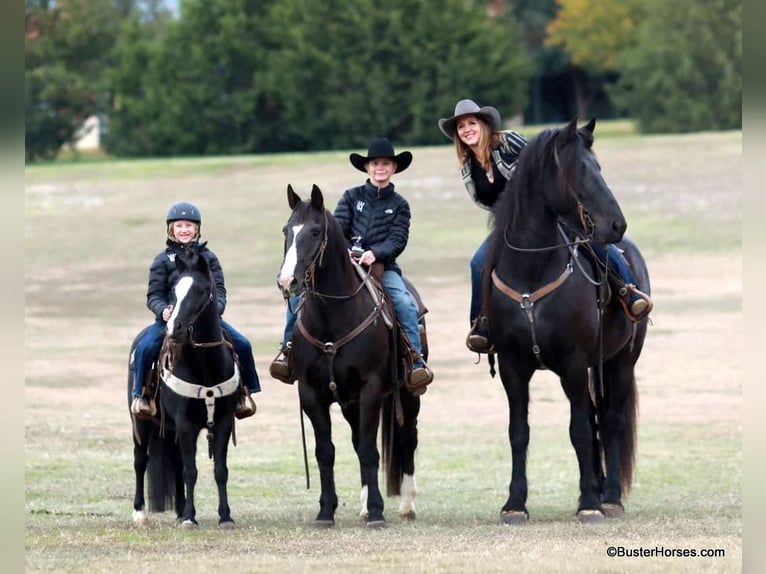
(343, 352)
(199, 390)
(549, 307)
(165, 478)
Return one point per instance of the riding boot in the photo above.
(280, 366)
(246, 406)
(637, 304)
(420, 377)
(478, 337)
(143, 407)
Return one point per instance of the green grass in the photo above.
(92, 228)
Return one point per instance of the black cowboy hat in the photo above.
(466, 107)
(381, 148)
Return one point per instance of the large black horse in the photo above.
(549, 308)
(343, 351)
(200, 390)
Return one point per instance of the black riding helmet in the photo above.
(184, 210)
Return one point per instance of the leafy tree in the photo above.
(593, 33)
(685, 73)
(341, 76)
(189, 88)
(67, 46)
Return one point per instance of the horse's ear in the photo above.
(590, 126)
(292, 197)
(182, 264)
(317, 200)
(201, 262)
(567, 133)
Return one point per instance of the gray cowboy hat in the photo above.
(466, 107)
(381, 148)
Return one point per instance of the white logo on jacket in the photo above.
(359, 206)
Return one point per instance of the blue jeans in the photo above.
(477, 264)
(245, 354)
(148, 350)
(616, 261)
(404, 306)
(406, 311)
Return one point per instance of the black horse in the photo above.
(549, 307)
(344, 352)
(199, 390)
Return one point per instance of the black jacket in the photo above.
(163, 274)
(381, 217)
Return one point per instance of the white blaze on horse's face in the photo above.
(287, 273)
(181, 289)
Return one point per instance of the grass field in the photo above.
(91, 231)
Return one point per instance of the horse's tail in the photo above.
(399, 441)
(617, 408)
(163, 470)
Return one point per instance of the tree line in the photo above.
(258, 76)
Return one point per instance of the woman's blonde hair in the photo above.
(486, 141)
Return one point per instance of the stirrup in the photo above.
(246, 406)
(640, 308)
(478, 342)
(144, 407)
(280, 366)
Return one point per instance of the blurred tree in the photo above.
(593, 33)
(190, 89)
(342, 76)
(67, 50)
(549, 91)
(685, 72)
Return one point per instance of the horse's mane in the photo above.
(536, 161)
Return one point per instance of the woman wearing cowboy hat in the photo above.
(487, 157)
(376, 222)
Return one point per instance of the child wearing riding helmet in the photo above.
(376, 223)
(487, 156)
(183, 223)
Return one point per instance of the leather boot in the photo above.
(637, 304)
(143, 407)
(246, 406)
(280, 366)
(478, 337)
(420, 377)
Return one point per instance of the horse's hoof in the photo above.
(613, 509)
(140, 518)
(407, 516)
(324, 523)
(376, 524)
(590, 516)
(514, 517)
(226, 525)
(189, 524)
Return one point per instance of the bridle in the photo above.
(308, 277)
(582, 213)
(190, 329)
